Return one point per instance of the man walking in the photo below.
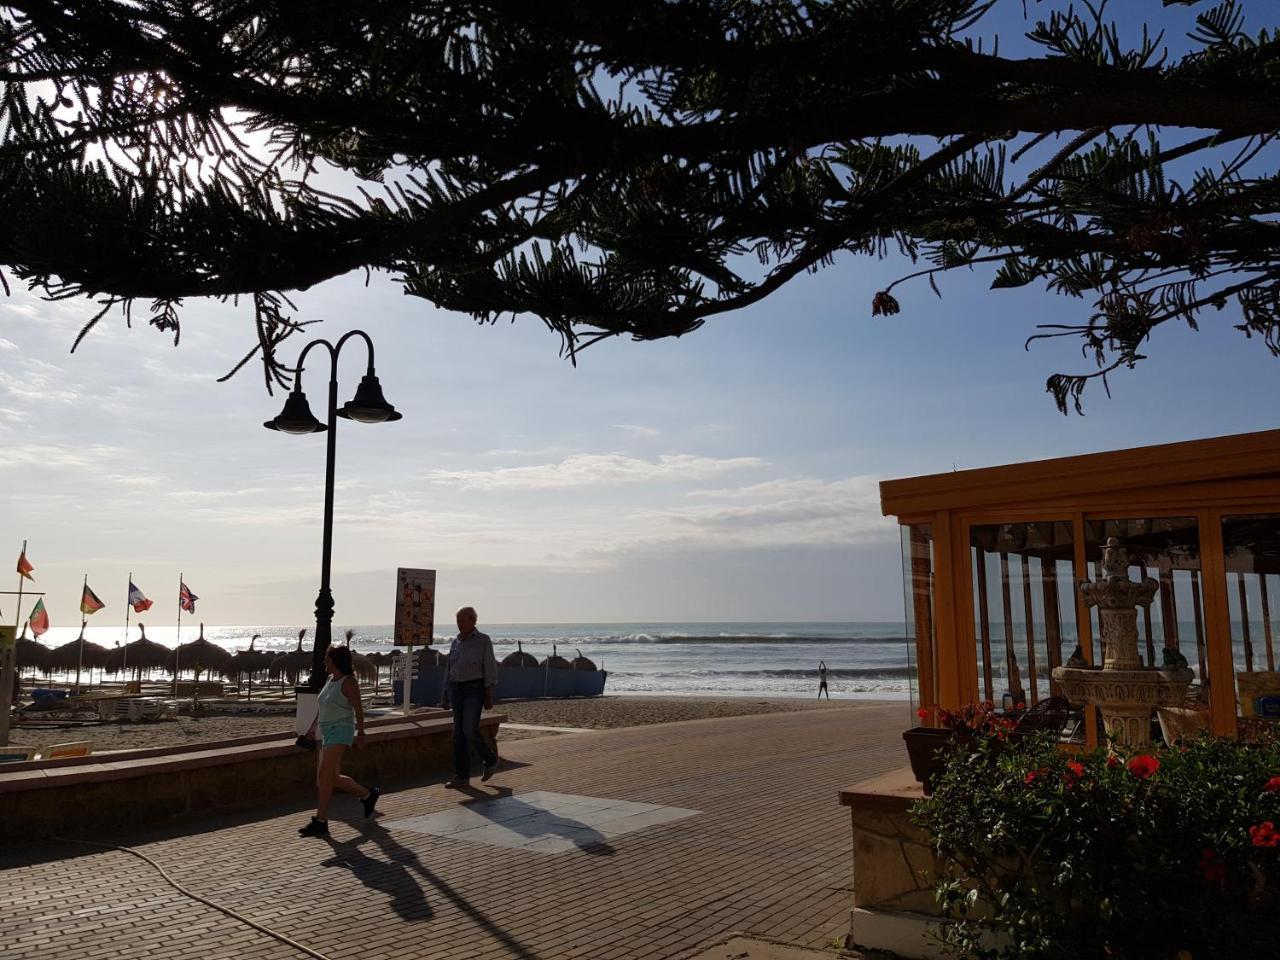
(470, 674)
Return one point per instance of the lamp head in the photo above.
(296, 417)
(368, 405)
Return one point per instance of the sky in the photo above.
(728, 475)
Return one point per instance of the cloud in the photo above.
(7, 344)
(636, 430)
(39, 382)
(595, 469)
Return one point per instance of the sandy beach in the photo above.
(596, 713)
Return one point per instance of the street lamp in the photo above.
(367, 406)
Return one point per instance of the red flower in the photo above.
(1143, 766)
(1075, 770)
(1265, 834)
(1113, 761)
(1034, 775)
(923, 713)
(1272, 785)
(1213, 869)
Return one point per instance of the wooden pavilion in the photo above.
(991, 559)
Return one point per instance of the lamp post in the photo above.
(368, 406)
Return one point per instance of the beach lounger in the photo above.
(14, 754)
(74, 748)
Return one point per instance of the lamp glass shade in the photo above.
(296, 417)
(368, 405)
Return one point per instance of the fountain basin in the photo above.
(1125, 697)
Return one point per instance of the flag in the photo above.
(186, 599)
(24, 566)
(136, 600)
(39, 618)
(89, 602)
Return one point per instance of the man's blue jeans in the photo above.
(467, 700)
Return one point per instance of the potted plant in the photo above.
(942, 730)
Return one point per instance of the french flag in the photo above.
(137, 600)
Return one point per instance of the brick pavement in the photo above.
(768, 853)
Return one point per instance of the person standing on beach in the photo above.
(341, 723)
(822, 680)
(470, 674)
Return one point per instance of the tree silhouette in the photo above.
(635, 167)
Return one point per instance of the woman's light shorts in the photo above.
(340, 734)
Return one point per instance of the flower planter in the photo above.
(926, 747)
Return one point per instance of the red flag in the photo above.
(89, 602)
(39, 618)
(24, 566)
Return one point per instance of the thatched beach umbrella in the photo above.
(519, 658)
(364, 668)
(32, 654)
(247, 663)
(199, 655)
(582, 663)
(556, 662)
(291, 665)
(78, 653)
(141, 654)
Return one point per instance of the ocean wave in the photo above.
(644, 638)
(847, 673)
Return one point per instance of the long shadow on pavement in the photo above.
(530, 821)
(409, 900)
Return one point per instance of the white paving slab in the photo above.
(542, 822)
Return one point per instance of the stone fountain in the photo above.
(1123, 689)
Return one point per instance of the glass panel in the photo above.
(1024, 604)
(917, 579)
(1252, 548)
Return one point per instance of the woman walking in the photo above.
(341, 723)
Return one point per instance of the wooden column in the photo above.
(1029, 613)
(1266, 622)
(984, 624)
(921, 587)
(1146, 622)
(1217, 621)
(1052, 617)
(946, 629)
(1013, 674)
(1199, 615)
(1244, 624)
(1168, 610)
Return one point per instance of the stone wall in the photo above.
(93, 796)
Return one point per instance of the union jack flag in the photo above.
(186, 599)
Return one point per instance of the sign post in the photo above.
(415, 619)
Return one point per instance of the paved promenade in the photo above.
(542, 862)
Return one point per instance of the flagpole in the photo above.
(9, 665)
(83, 624)
(124, 664)
(179, 640)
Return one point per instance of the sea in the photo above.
(864, 659)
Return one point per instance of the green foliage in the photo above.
(1068, 856)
